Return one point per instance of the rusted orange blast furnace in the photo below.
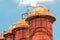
(40, 24)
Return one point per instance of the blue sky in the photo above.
(10, 13)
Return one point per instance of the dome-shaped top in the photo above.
(22, 23)
(9, 30)
(40, 11)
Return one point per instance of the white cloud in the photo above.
(33, 2)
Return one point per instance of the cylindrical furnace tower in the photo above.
(40, 24)
(20, 31)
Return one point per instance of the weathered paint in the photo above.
(40, 29)
(19, 34)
